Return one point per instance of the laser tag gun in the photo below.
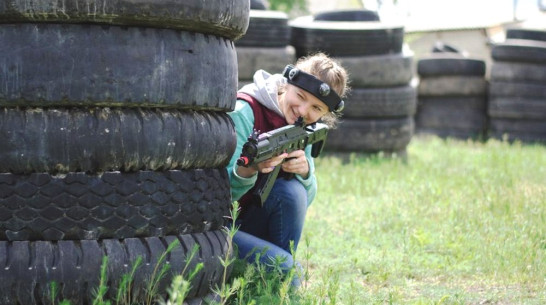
(263, 146)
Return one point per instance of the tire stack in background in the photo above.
(265, 43)
(517, 92)
(452, 95)
(114, 139)
(379, 109)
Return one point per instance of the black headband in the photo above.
(315, 86)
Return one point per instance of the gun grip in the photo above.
(316, 149)
(264, 185)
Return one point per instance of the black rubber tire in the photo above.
(530, 34)
(267, 29)
(78, 206)
(95, 140)
(259, 5)
(29, 267)
(347, 15)
(272, 60)
(518, 72)
(515, 129)
(516, 89)
(381, 102)
(227, 18)
(520, 50)
(458, 114)
(452, 85)
(517, 108)
(374, 71)
(85, 65)
(446, 64)
(371, 135)
(340, 39)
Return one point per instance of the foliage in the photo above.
(288, 6)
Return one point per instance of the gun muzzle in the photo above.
(243, 161)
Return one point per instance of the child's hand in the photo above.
(296, 163)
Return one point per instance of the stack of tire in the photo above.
(265, 43)
(114, 139)
(517, 93)
(379, 109)
(452, 95)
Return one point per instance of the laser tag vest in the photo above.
(264, 120)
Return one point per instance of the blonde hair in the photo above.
(329, 71)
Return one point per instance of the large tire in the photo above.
(259, 5)
(518, 72)
(347, 15)
(445, 64)
(516, 100)
(518, 130)
(90, 65)
(95, 140)
(530, 90)
(452, 85)
(381, 102)
(112, 205)
(516, 108)
(529, 34)
(227, 18)
(520, 50)
(379, 70)
(371, 135)
(272, 60)
(462, 116)
(340, 39)
(29, 267)
(266, 29)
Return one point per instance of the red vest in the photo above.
(264, 120)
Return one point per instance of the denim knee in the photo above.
(249, 247)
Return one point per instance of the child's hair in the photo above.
(329, 71)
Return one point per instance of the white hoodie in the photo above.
(265, 89)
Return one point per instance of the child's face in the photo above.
(296, 102)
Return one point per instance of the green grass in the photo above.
(453, 223)
(457, 223)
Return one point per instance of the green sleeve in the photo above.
(243, 119)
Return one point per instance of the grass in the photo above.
(458, 223)
(455, 223)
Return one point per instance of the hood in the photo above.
(265, 89)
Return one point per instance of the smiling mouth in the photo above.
(295, 116)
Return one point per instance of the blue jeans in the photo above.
(269, 229)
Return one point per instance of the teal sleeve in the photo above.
(243, 119)
(310, 183)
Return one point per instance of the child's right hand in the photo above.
(263, 167)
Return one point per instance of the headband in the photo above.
(315, 86)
